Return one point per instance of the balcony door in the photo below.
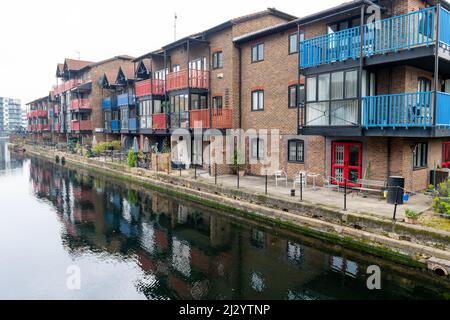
(346, 163)
(198, 64)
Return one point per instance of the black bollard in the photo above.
(396, 204)
(195, 172)
(237, 174)
(215, 173)
(266, 183)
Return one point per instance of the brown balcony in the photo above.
(198, 79)
(83, 125)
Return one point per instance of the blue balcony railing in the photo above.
(444, 27)
(443, 110)
(110, 102)
(398, 110)
(401, 32)
(132, 124)
(339, 46)
(122, 100)
(115, 125)
(125, 99)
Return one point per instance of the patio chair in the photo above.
(328, 183)
(280, 175)
(297, 179)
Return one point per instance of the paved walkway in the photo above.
(367, 204)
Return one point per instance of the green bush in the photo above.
(411, 214)
(103, 146)
(131, 159)
(441, 205)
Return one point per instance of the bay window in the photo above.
(332, 99)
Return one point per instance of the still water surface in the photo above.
(138, 244)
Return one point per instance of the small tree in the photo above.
(131, 159)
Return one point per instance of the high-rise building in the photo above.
(10, 115)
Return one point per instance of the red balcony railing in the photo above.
(70, 84)
(222, 118)
(81, 104)
(198, 79)
(159, 121)
(149, 87)
(43, 127)
(83, 125)
(56, 109)
(30, 128)
(57, 127)
(199, 118)
(41, 113)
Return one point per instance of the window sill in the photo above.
(257, 61)
(259, 110)
(420, 168)
(296, 162)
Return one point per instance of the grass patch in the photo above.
(434, 221)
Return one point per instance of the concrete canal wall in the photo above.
(411, 245)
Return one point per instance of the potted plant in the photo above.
(236, 166)
(411, 216)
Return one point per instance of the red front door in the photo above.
(346, 163)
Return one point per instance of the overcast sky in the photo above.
(36, 34)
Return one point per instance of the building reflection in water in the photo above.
(188, 252)
(9, 160)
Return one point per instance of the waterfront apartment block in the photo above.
(10, 115)
(360, 91)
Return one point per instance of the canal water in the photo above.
(65, 234)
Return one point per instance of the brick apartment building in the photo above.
(73, 109)
(353, 97)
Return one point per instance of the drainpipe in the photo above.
(240, 86)
(361, 64)
(436, 65)
(298, 78)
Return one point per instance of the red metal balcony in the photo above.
(198, 79)
(83, 125)
(70, 84)
(41, 113)
(199, 118)
(150, 86)
(81, 104)
(43, 127)
(159, 121)
(222, 118)
(56, 109)
(57, 127)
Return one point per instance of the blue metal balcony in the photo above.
(443, 109)
(414, 29)
(125, 99)
(109, 103)
(406, 110)
(132, 124)
(115, 125)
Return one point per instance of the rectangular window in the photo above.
(257, 100)
(176, 68)
(296, 151)
(311, 89)
(324, 87)
(257, 149)
(218, 60)
(351, 84)
(258, 52)
(217, 102)
(301, 95)
(420, 155)
(292, 96)
(337, 86)
(293, 43)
